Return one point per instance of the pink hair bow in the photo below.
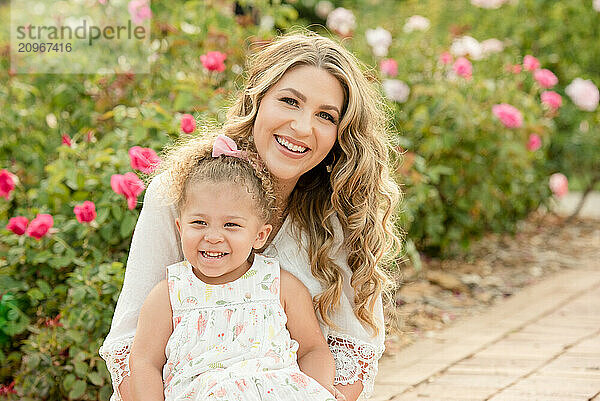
(226, 146)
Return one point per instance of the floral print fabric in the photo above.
(230, 342)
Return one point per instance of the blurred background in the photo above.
(493, 106)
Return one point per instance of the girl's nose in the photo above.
(213, 236)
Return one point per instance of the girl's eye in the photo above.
(326, 116)
(231, 225)
(289, 100)
(201, 222)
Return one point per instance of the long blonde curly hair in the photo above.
(359, 189)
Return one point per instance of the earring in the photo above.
(329, 167)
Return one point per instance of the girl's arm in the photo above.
(147, 358)
(314, 357)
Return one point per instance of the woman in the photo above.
(317, 123)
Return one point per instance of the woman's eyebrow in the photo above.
(303, 98)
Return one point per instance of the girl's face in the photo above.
(219, 226)
(297, 122)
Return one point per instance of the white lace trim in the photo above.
(354, 360)
(116, 356)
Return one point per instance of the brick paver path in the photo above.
(543, 344)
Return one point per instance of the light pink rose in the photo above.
(143, 159)
(584, 94)
(489, 4)
(7, 183)
(380, 40)
(389, 67)
(188, 123)
(463, 67)
(445, 58)
(534, 143)
(40, 226)
(545, 78)
(559, 185)
(85, 212)
(66, 140)
(416, 23)
(510, 116)
(342, 21)
(396, 90)
(214, 61)
(551, 99)
(139, 10)
(128, 185)
(18, 225)
(531, 63)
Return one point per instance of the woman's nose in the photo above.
(302, 124)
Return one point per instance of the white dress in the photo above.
(230, 342)
(156, 244)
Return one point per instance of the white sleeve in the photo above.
(355, 350)
(155, 245)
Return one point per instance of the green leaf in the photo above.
(44, 287)
(68, 381)
(78, 389)
(127, 225)
(96, 378)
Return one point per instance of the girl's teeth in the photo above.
(213, 254)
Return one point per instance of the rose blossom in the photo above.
(416, 23)
(463, 67)
(139, 10)
(18, 225)
(583, 93)
(445, 58)
(510, 116)
(188, 123)
(40, 226)
(323, 8)
(66, 140)
(534, 143)
(466, 45)
(389, 67)
(143, 159)
(489, 4)
(380, 40)
(396, 90)
(128, 185)
(490, 46)
(515, 69)
(342, 21)
(214, 61)
(85, 212)
(7, 183)
(551, 99)
(559, 185)
(545, 78)
(530, 63)
(596, 5)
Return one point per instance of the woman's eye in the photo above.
(289, 100)
(326, 116)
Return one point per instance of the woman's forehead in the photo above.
(315, 84)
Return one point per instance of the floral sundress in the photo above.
(230, 342)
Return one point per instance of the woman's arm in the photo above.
(155, 244)
(147, 359)
(314, 357)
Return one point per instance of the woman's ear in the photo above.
(262, 236)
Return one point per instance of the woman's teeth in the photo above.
(293, 148)
(212, 254)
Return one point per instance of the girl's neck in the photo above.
(227, 277)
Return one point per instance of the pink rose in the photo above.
(534, 143)
(18, 225)
(516, 69)
(551, 99)
(128, 185)
(85, 212)
(299, 379)
(139, 10)
(66, 140)
(188, 123)
(445, 58)
(463, 67)
(545, 78)
(389, 67)
(530, 63)
(40, 226)
(510, 116)
(7, 183)
(559, 185)
(214, 61)
(143, 159)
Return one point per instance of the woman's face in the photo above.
(297, 122)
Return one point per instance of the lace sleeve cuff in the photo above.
(355, 360)
(116, 356)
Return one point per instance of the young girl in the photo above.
(215, 329)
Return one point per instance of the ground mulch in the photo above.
(496, 267)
